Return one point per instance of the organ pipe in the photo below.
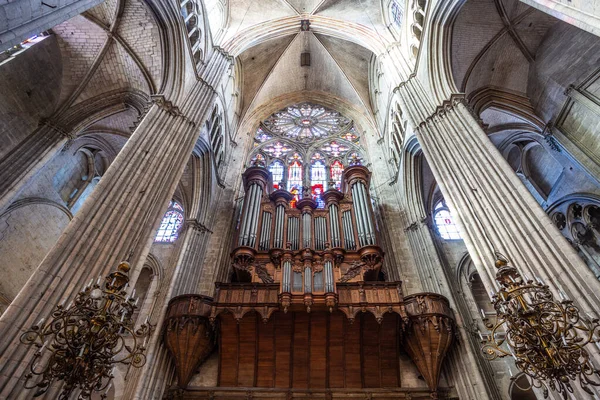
(328, 268)
(245, 218)
(306, 230)
(334, 225)
(363, 205)
(279, 215)
(358, 213)
(367, 208)
(287, 276)
(254, 216)
(307, 280)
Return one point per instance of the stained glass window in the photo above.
(262, 136)
(170, 225)
(277, 149)
(335, 149)
(306, 122)
(355, 159)
(295, 173)
(318, 178)
(336, 173)
(276, 169)
(258, 160)
(397, 11)
(445, 222)
(287, 139)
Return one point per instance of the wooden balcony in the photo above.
(349, 298)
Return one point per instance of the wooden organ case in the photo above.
(308, 314)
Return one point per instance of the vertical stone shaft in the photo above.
(117, 217)
(497, 211)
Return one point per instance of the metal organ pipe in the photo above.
(348, 231)
(279, 216)
(334, 225)
(287, 276)
(265, 231)
(306, 229)
(328, 268)
(245, 218)
(369, 233)
(360, 218)
(254, 216)
(307, 280)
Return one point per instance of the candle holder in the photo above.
(84, 341)
(546, 337)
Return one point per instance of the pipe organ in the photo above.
(307, 308)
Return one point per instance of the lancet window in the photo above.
(295, 174)
(318, 178)
(276, 168)
(444, 222)
(170, 224)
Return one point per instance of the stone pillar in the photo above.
(189, 263)
(477, 381)
(117, 218)
(495, 210)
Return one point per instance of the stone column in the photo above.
(495, 210)
(117, 218)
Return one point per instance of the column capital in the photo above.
(166, 105)
(197, 226)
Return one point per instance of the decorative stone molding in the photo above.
(197, 226)
(168, 106)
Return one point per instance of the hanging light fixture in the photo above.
(545, 337)
(84, 341)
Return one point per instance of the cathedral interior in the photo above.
(299, 199)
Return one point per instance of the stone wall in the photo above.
(30, 83)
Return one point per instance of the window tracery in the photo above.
(306, 122)
(318, 178)
(444, 222)
(276, 169)
(214, 125)
(170, 224)
(282, 146)
(191, 12)
(578, 220)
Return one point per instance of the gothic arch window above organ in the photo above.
(191, 12)
(307, 146)
(171, 224)
(444, 222)
(318, 178)
(276, 168)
